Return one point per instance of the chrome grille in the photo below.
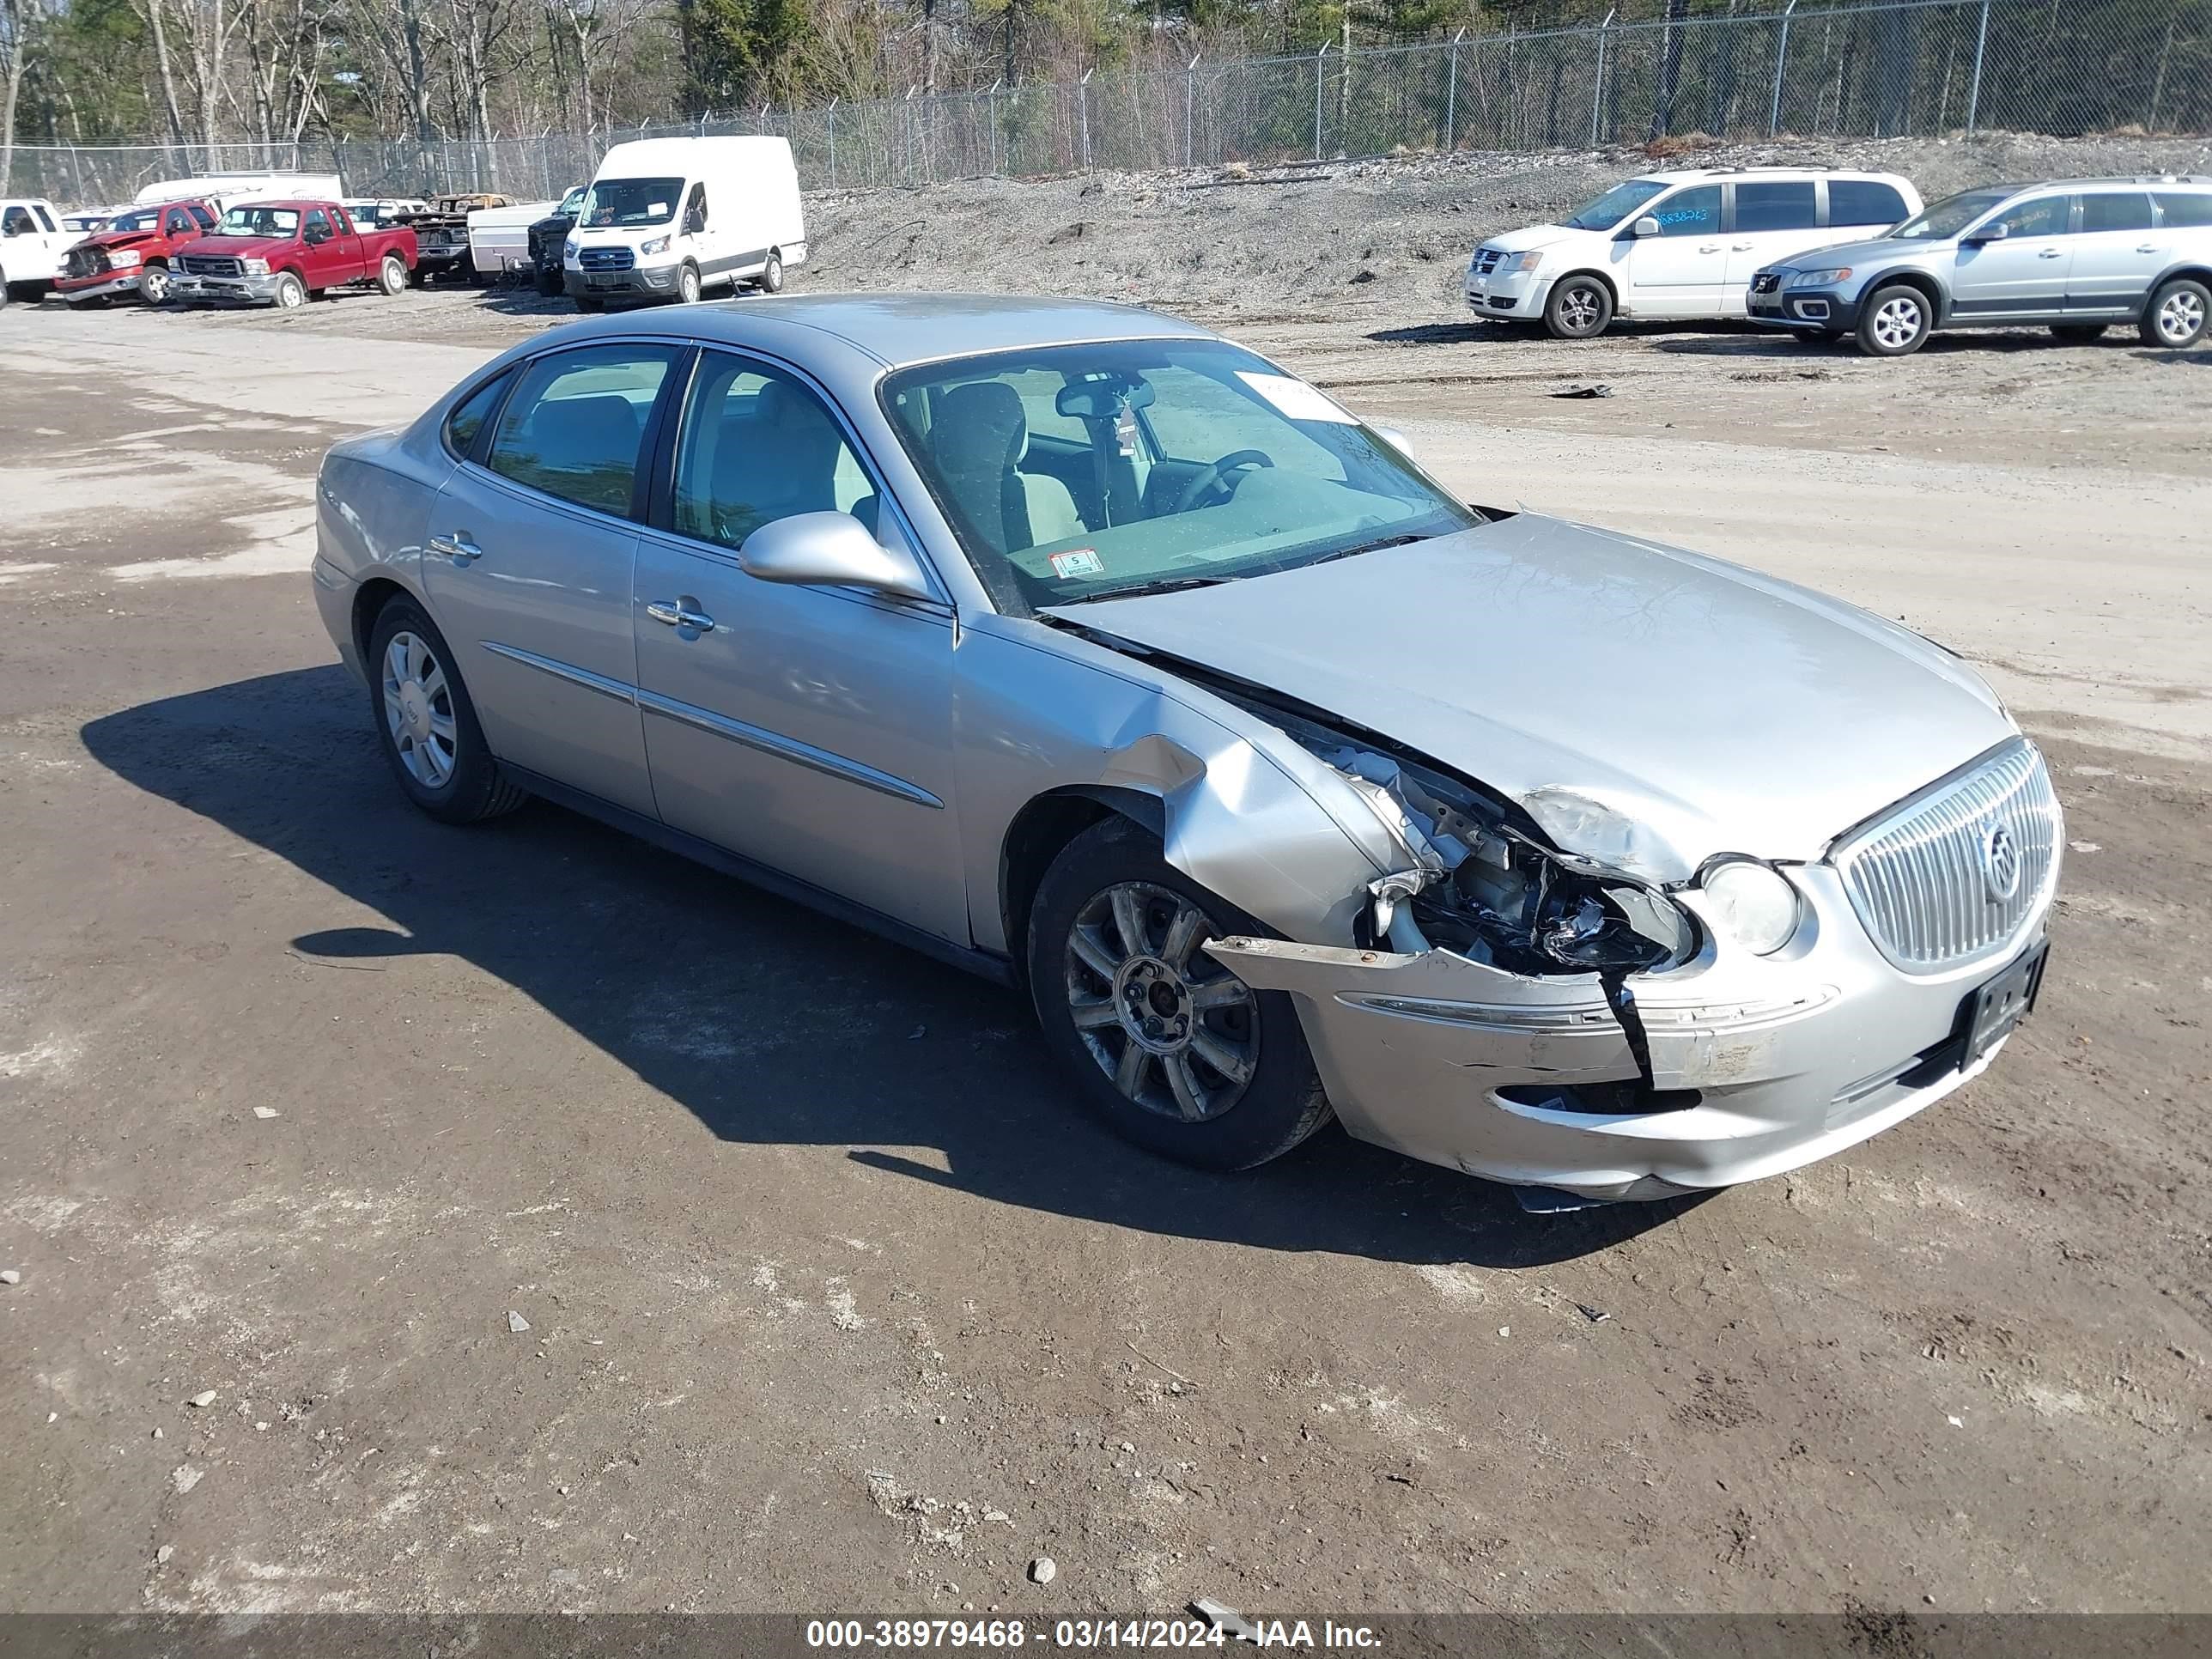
(1485, 260)
(208, 264)
(1918, 876)
(606, 258)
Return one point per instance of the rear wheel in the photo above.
(2177, 312)
(291, 292)
(771, 277)
(1893, 321)
(426, 724)
(154, 285)
(1579, 308)
(1171, 1048)
(392, 275)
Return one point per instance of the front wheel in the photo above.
(291, 292)
(686, 286)
(154, 285)
(771, 276)
(1171, 1048)
(426, 724)
(1580, 308)
(2176, 314)
(1894, 321)
(392, 275)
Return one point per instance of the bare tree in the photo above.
(15, 24)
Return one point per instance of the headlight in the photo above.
(255, 267)
(123, 257)
(1820, 278)
(658, 245)
(571, 248)
(1753, 903)
(1515, 263)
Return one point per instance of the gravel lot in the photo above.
(832, 1300)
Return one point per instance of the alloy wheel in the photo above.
(418, 710)
(1897, 324)
(1579, 309)
(154, 285)
(1178, 1034)
(2180, 318)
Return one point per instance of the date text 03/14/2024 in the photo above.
(1099, 1634)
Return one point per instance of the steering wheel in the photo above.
(1216, 476)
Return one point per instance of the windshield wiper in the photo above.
(1165, 584)
(1374, 546)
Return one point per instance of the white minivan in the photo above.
(1676, 244)
(665, 217)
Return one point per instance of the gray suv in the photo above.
(2078, 254)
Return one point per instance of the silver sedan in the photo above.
(1083, 648)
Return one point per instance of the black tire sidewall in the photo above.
(688, 286)
(1281, 1106)
(1874, 302)
(1559, 291)
(469, 794)
(288, 282)
(772, 274)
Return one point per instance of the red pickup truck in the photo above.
(280, 254)
(135, 253)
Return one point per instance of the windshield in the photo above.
(631, 202)
(1950, 216)
(259, 222)
(1072, 473)
(150, 219)
(1616, 204)
(570, 203)
(365, 213)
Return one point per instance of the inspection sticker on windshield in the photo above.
(1077, 562)
(1295, 398)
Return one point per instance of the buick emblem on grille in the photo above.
(2000, 861)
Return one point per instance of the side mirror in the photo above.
(1647, 225)
(1996, 232)
(832, 550)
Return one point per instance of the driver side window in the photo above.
(16, 221)
(2047, 215)
(1689, 212)
(695, 209)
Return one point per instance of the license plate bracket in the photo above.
(1998, 1004)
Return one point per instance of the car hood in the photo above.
(1885, 251)
(237, 248)
(1532, 237)
(1649, 708)
(115, 238)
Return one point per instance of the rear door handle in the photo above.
(2049, 253)
(1710, 248)
(1739, 247)
(2150, 247)
(678, 613)
(457, 547)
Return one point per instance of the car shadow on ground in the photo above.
(772, 1025)
(1531, 335)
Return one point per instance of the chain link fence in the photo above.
(1895, 67)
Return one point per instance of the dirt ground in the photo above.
(833, 1301)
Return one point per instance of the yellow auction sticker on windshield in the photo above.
(1295, 398)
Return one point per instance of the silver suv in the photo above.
(2078, 254)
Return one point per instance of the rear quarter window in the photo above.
(2185, 207)
(466, 422)
(1864, 201)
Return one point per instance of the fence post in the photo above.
(1781, 57)
(1597, 93)
(1318, 78)
(1190, 107)
(1451, 89)
(833, 144)
(1974, 93)
(1083, 95)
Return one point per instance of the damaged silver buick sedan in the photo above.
(1079, 647)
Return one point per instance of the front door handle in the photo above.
(457, 547)
(1710, 248)
(2150, 247)
(2049, 253)
(678, 613)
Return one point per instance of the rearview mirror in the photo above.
(1647, 225)
(833, 549)
(1101, 400)
(1990, 233)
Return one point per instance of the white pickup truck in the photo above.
(31, 243)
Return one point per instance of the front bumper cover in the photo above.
(225, 290)
(1805, 310)
(1792, 1058)
(77, 288)
(639, 283)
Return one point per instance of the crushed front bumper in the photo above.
(224, 290)
(1756, 1065)
(77, 289)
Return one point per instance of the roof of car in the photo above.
(900, 329)
(1682, 175)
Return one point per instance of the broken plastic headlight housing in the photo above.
(1753, 903)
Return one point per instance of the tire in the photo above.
(154, 285)
(1579, 308)
(291, 292)
(2079, 333)
(391, 275)
(4, 294)
(686, 286)
(2177, 313)
(1894, 321)
(1183, 1107)
(586, 304)
(430, 734)
(770, 280)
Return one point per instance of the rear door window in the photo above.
(1777, 204)
(2185, 207)
(45, 219)
(2119, 209)
(575, 425)
(470, 415)
(1864, 201)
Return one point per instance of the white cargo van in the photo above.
(227, 189)
(666, 217)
